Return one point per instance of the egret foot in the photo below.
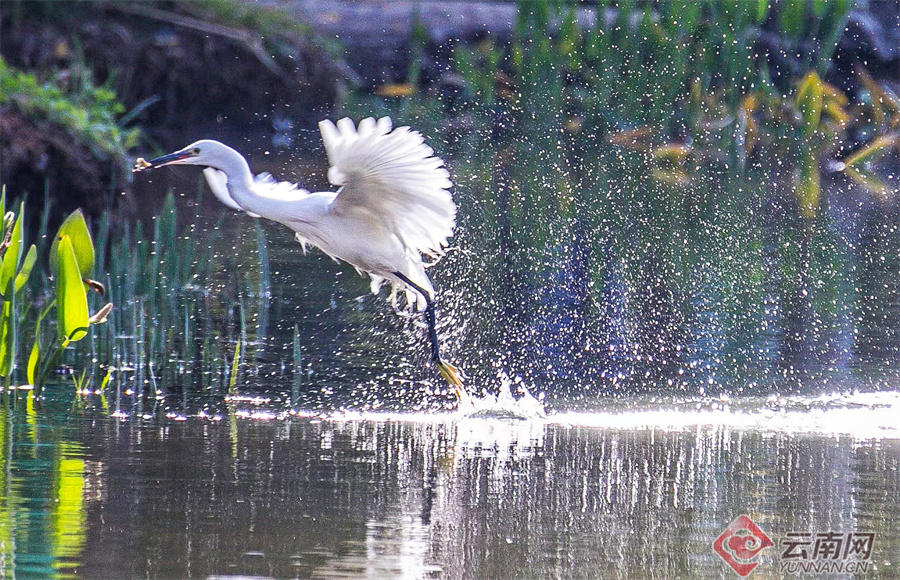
(452, 375)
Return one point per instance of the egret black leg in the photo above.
(429, 316)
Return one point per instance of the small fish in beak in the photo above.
(140, 164)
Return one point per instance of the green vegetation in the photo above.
(267, 22)
(652, 188)
(91, 115)
(675, 83)
(182, 299)
(71, 262)
(168, 326)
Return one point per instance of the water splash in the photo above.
(504, 405)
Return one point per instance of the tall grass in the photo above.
(183, 303)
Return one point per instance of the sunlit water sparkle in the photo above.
(496, 418)
(865, 415)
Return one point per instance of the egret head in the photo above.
(205, 152)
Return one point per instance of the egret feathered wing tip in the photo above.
(392, 175)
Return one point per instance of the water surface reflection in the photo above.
(439, 496)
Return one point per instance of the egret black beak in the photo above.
(177, 157)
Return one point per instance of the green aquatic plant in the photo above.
(14, 273)
(184, 304)
(676, 84)
(71, 262)
(169, 326)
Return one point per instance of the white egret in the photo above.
(393, 205)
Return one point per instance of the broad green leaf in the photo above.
(809, 101)
(12, 256)
(35, 356)
(872, 151)
(25, 271)
(75, 227)
(71, 296)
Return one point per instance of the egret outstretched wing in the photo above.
(394, 176)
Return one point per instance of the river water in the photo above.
(636, 490)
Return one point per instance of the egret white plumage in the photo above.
(393, 205)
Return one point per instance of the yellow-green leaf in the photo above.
(808, 186)
(35, 356)
(872, 151)
(33, 361)
(636, 139)
(834, 94)
(395, 90)
(105, 380)
(27, 265)
(71, 296)
(836, 112)
(676, 152)
(12, 256)
(880, 95)
(6, 346)
(867, 180)
(235, 362)
(762, 9)
(75, 227)
(809, 101)
(676, 176)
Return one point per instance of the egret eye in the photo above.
(195, 151)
